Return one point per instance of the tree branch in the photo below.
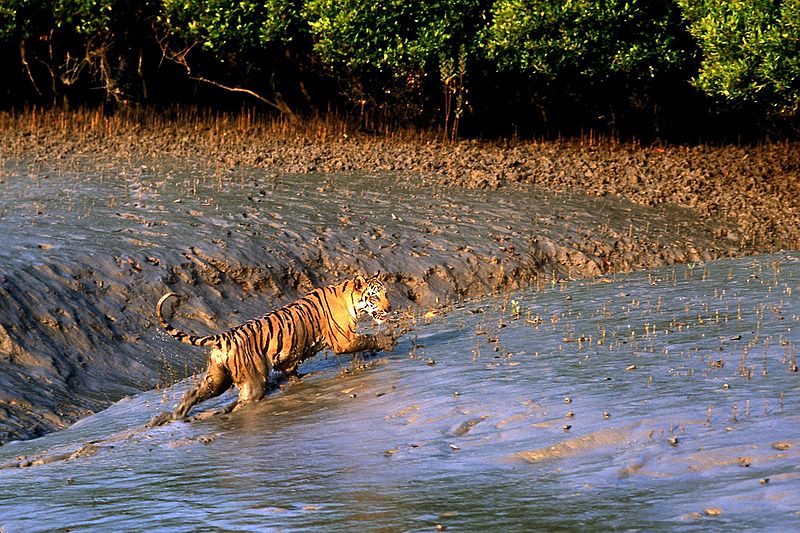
(23, 56)
(179, 58)
(278, 104)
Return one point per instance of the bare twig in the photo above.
(278, 104)
(179, 57)
(24, 58)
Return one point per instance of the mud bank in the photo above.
(99, 219)
(757, 188)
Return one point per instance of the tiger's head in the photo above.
(371, 298)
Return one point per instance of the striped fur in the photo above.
(283, 339)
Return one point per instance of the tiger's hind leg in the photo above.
(216, 381)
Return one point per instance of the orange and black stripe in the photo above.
(277, 331)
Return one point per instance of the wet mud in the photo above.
(755, 187)
(656, 400)
(85, 258)
(101, 215)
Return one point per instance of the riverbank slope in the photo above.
(101, 215)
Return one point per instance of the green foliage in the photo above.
(227, 24)
(400, 36)
(591, 38)
(8, 20)
(21, 19)
(750, 50)
(85, 17)
(425, 58)
(403, 39)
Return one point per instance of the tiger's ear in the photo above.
(359, 283)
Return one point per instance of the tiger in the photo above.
(244, 355)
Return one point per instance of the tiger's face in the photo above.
(373, 300)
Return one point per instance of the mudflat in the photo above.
(101, 215)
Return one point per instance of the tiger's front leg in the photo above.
(364, 343)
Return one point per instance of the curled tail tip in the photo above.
(158, 308)
(163, 299)
(182, 336)
(167, 296)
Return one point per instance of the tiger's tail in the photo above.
(186, 338)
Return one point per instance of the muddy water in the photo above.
(660, 399)
(85, 255)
